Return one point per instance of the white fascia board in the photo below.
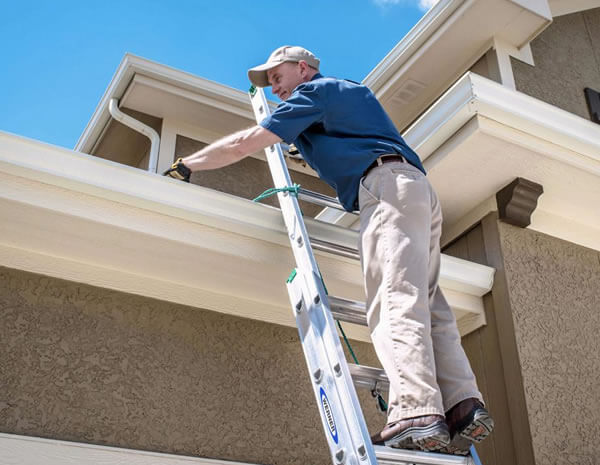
(32, 450)
(130, 66)
(566, 7)
(474, 95)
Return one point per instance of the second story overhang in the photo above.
(479, 136)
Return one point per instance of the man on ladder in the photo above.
(343, 132)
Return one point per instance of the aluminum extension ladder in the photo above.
(331, 376)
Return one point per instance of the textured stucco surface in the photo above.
(88, 364)
(567, 60)
(248, 178)
(554, 291)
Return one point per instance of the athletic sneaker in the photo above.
(469, 422)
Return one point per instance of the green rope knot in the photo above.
(274, 190)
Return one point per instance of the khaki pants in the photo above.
(413, 329)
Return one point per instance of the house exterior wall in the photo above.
(487, 66)
(567, 60)
(249, 177)
(489, 360)
(87, 364)
(554, 290)
(537, 359)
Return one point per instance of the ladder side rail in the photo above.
(290, 208)
(325, 328)
(341, 415)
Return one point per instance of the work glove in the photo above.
(179, 171)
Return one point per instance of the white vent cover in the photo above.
(407, 92)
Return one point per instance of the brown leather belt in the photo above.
(384, 159)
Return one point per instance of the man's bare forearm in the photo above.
(231, 149)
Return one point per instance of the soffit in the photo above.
(167, 101)
(444, 44)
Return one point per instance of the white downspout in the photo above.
(113, 108)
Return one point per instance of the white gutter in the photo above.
(474, 95)
(129, 186)
(113, 108)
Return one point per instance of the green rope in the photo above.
(292, 276)
(347, 342)
(274, 190)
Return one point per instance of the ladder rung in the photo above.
(334, 248)
(389, 456)
(319, 199)
(369, 377)
(350, 311)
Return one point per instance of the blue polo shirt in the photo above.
(340, 128)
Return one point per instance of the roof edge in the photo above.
(131, 65)
(475, 95)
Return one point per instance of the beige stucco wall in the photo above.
(249, 177)
(93, 365)
(567, 59)
(554, 290)
(487, 66)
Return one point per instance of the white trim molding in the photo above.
(474, 95)
(29, 450)
(85, 219)
(482, 135)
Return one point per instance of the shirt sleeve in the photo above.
(302, 109)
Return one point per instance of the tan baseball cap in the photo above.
(258, 74)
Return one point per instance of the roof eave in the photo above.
(130, 66)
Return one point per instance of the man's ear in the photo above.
(303, 68)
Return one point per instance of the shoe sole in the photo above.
(480, 427)
(429, 438)
(476, 431)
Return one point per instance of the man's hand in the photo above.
(179, 171)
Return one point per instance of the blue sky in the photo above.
(57, 57)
